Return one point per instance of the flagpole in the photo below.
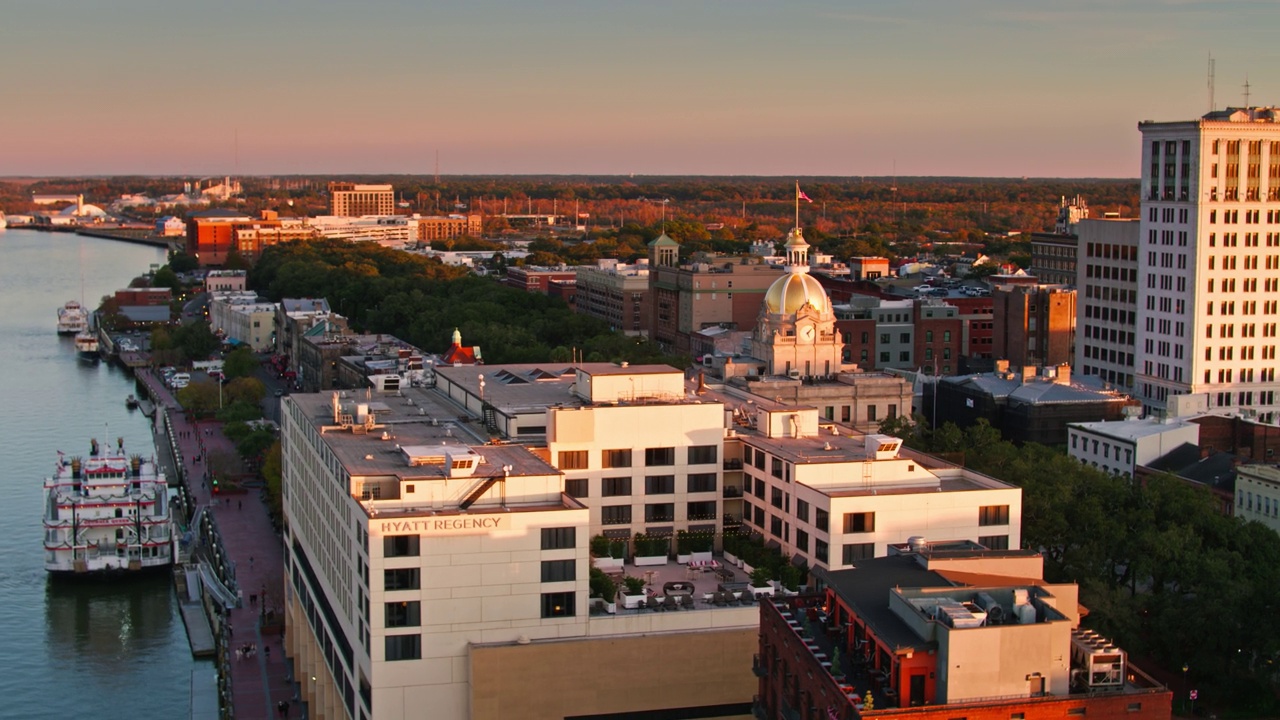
(797, 204)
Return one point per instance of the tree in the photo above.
(240, 363)
(199, 398)
(247, 390)
(181, 262)
(165, 278)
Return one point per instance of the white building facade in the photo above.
(1209, 292)
(1258, 494)
(1119, 447)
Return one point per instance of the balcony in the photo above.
(732, 492)
(730, 464)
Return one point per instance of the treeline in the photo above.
(1160, 569)
(421, 300)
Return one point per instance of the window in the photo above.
(402, 614)
(859, 522)
(615, 515)
(858, 551)
(702, 482)
(775, 526)
(561, 538)
(1077, 711)
(403, 647)
(758, 489)
(614, 487)
(701, 510)
(884, 338)
(659, 456)
(775, 468)
(573, 460)
(400, 546)
(659, 484)
(659, 512)
(776, 498)
(559, 604)
(615, 458)
(702, 454)
(871, 413)
(994, 542)
(820, 519)
(401, 579)
(576, 488)
(802, 541)
(559, 570)
(802, 510)
(820, 550)
(997, 514)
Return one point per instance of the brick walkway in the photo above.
(258, 682)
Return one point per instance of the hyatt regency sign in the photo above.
(445, 525)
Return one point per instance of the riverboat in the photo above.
(106, 513)
(72, 318)
(87, 345)
(131, 402)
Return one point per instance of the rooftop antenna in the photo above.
(1246, 91)
(1212, 105)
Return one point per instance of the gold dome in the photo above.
(793, 291)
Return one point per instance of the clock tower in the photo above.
(795, 332)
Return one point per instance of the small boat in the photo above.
(87, 345)
(131, 402)
(72, 318)
(107, 513)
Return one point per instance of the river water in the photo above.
(67, 649)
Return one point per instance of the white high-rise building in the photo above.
(1208, 287)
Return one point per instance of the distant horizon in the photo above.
(621, 176)
(748, 88)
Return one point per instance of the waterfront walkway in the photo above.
(262, 679)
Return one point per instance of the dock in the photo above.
(199, 633)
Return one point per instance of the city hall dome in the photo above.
(791, 292)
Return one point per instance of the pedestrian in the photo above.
(283, 708)
(253, 600)
(239, 505)
(266, 652)
(250, 562)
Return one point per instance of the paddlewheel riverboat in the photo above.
(106, 513)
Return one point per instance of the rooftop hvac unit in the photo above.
(1026, 614)
(1096, 663)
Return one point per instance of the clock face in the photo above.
(806, 334)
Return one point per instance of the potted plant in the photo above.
(606, 554)
(837, 670)
(651, 550)
(732, 545)
(760, 578)
(634, 593)
(603, 587)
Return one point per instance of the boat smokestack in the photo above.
(75, 467)
(135, 464)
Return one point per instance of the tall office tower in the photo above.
(350, 200)
(1207, 283)
(1107, 299)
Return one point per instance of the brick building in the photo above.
(1034, 324)
(931, 634)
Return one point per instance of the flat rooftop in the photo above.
(541, 385)
(416, 418)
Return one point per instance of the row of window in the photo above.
(653, 457)
(653, 485)
(658, 512)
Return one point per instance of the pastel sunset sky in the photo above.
(661, 87)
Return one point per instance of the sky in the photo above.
(992, 88)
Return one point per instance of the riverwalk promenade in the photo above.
(259, 679)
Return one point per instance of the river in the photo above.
(70, 649)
